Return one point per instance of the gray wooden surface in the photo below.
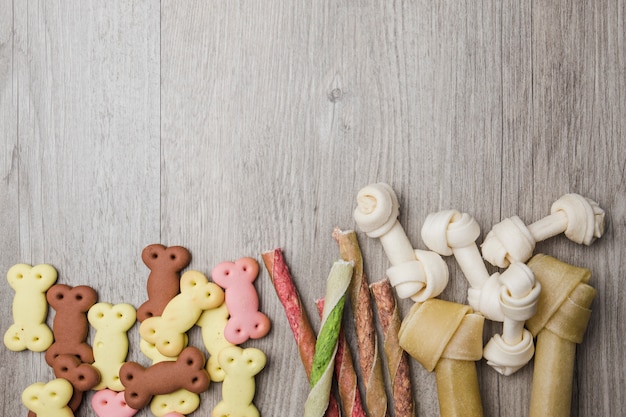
(233, 127)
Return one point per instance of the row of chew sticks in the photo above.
(548, 297)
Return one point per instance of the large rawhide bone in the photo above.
(417, 274)
(447, 337)
(581, 219)
(510, 297)
(559, 324)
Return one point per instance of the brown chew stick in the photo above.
(70, 325)
(165, 377)
(165, 264)
(559, 324)
(447, 337)
(397, 361)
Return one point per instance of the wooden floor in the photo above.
(234, 127)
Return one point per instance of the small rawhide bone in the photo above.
(509, 297)
(581, 219)
(559, 324)
(414, 273)
(164, 377)
(165, 264)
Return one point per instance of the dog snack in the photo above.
(163, 283)
(369, 358)
(110, 345)
(49, 399)
(180, 401)
(240, 366)
(70, 326)
(296, 315)
(30, 307)
(167, 332)
(326, 345)
(108, 403)
(187, 372)
(559, 324)
(82, 376)
(397, 361)
(237, 279)
(212, 322)
(152, 353)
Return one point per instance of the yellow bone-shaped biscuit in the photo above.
(30, 307)
(240, 366)
(110, 345)
(152, 353)
(213, 322)
(167, 332)
(49, 400)
(180, 401)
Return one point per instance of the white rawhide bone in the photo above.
(581, 219)
(417, 274)
(510, 297)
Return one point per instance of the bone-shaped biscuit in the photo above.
(180, 401)
(164, 377)
(82, 376)
(110, 345)
(167, 332)
(108, 403)
(30, 307)
(49, 399)
(246, 321)
(213, 322)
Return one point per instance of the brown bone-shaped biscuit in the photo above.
(165, 264)
(186, 372)
(70, 326)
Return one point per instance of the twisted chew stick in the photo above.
(326, 346)
(398, 364)
(298, 320)
(346, 376)
(369, 358)
(559, 324)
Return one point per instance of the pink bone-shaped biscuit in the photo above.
(108, 403)
(242, 300)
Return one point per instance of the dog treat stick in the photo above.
(326, 345)
(346, 376)
(369, 358)
(559, 324)
(296, 315)
(398, 364)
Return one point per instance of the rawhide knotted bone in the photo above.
(187, 372)
(213, 322)
(447, 337)
(49, 399)
(108, 403)
(165, 264)
(581, 219)
(167, 331)
(237, 279)
(70, 325)
(30, 308)
(110, 344)
(240, 366)
(559, 325)
(510, 297)
(414, 273)
(180, 401)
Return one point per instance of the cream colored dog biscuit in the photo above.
(49, 400)
(167, 332)
(240, 366)
(181, 401)
(213, 322)
(110, 345)
(30, 307)
(152, 353)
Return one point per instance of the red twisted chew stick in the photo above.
(397, 361)
(346, 376)
(298, 320)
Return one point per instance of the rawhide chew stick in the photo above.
(447, 337)
(397, 362)
(559, 324)
(369, 358)
(581, 219)
(296, 315)
(346, 376)
(326, 345)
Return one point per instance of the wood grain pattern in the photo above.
(232, 128)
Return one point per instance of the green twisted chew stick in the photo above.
(326, 345)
